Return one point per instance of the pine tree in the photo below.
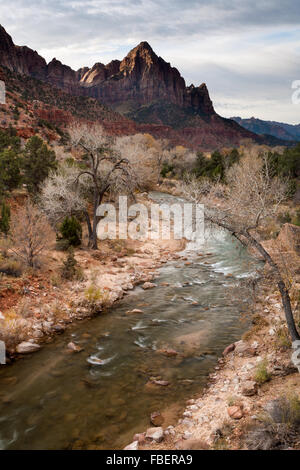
(5, 218)
(38, 161)
(71, 231)
(69, 268)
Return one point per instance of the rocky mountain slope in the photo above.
(279, 130)
(143, 88)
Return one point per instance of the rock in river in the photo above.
(148, 285)
(74, 347)
(157, 418)
(26, 347)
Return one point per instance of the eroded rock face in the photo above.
(142, 86)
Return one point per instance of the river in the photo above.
(55, 399)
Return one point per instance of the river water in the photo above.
(55, 399)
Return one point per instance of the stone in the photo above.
(156, 418)
(243, 349)
(58, 328)
(155, 434)
(235, 412)
(249, 388)
(167, 352)
(74, 347)
(133, 446)
(192, 444)
(229, 349)
(26, 347)
(148, 285)
(140, 437)
(162, 383)
(135, 310)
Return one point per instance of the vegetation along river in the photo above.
(57, 400)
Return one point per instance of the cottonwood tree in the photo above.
(243, 207)
(105, 169)
(30, 233)
(145, 155)
(62, 195)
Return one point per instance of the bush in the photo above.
(280, 425)
(71, 231)
(11, 267)
(95, 298)
(5, 218)
(284, 218)
(261, 374)
(296, 220)
(70, 269)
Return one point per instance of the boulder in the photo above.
(249, 388)
(133, 446)
(235, 412)
(140, 437)
(167, 352)
(26, 347)
(74, 347)
(134, 311)
(162, 383)
(229, 349)
(156, 418)
(148, 285)
(244, 349)
(155, 434)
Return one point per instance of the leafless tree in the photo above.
(105, 170)
(30, 233)
(145, 155)
(62, 196)
(243, 207)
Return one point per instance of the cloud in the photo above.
(248, 53)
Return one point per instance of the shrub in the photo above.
(11, 267)
(261, 374)
(95, 298)
(71, 231)
(280, 425)
(282, 338)
(296, 220)
(284, 218)
(70, 269)
(5, 218)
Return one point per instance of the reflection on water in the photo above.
(100, 397)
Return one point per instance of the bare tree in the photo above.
(145, 155)
(105, 169)
(62, 196)
(243, 207)
(30, 233)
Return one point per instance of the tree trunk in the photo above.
(95, 221)
(89, 227)
(285, 297)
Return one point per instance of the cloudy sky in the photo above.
(248, 52)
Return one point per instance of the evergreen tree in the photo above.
(10, 170)
(69, 268)
(71, 231)
(5, 218)
(38, 161)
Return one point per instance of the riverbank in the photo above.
(252, 383)
(39, 305)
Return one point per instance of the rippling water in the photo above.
(100, 397)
